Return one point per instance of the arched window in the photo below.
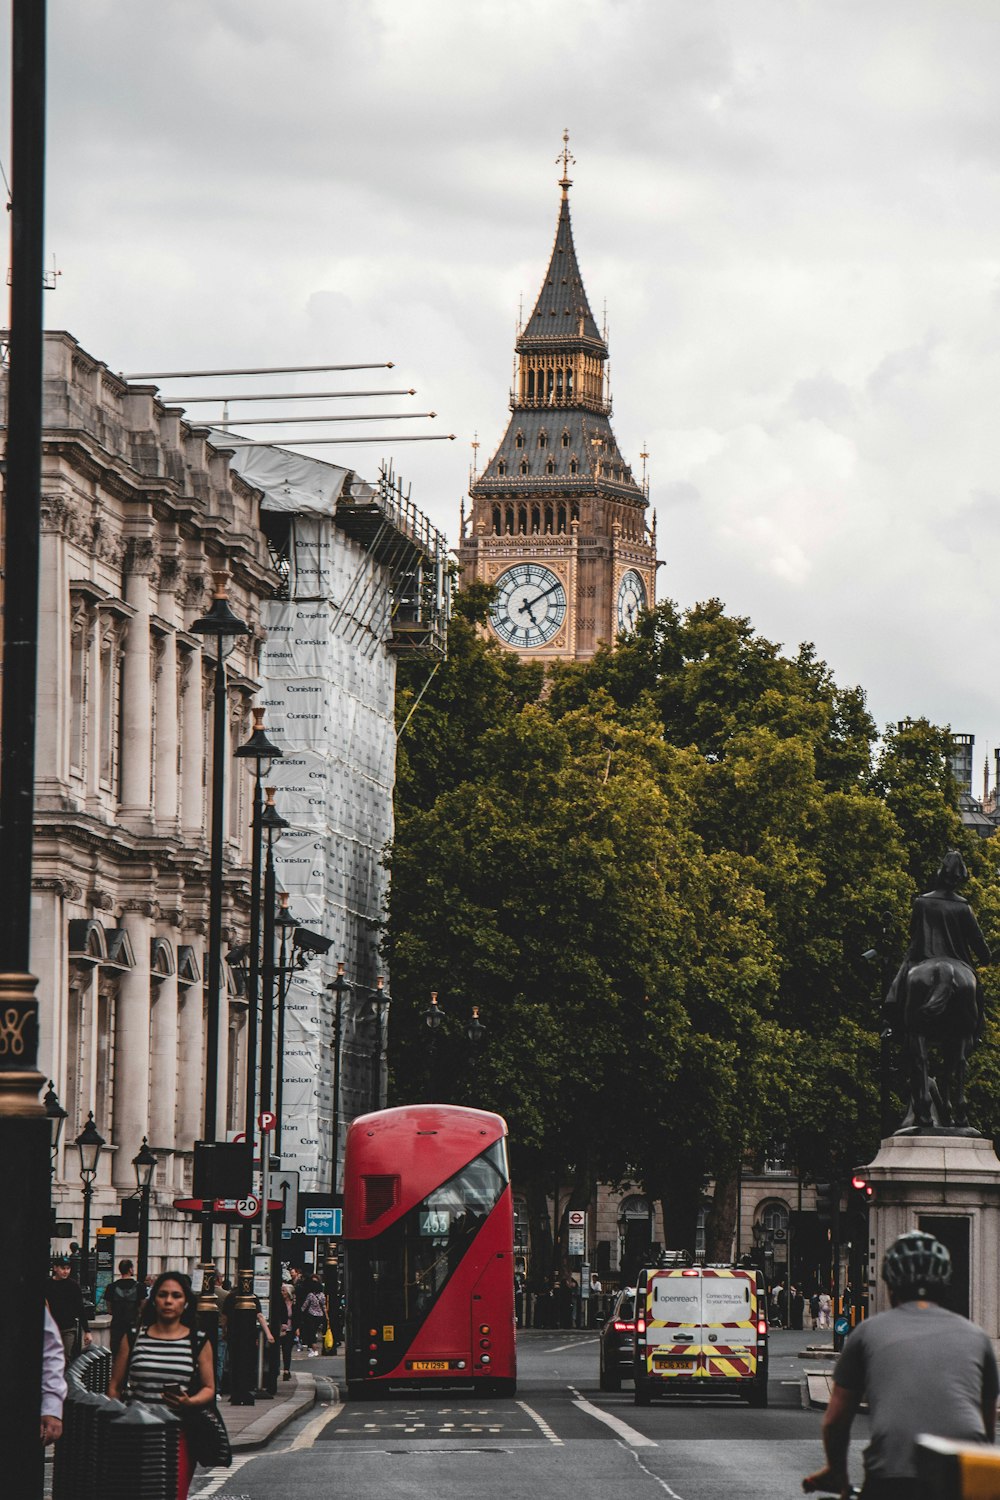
(548, 520)
(542, 439)
(559, 383)
(509, 520)
(522, 520)
(565, 438)
(550, 467)
(519, 440)
(572, 466)
(774, 1217)
(569, 385)
(501, 468)
(524, 466)
(561, 520)
(531, 385)
(497, 520)
(549, 378)
(536, 520)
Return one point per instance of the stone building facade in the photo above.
(138, 512)
(141, 508)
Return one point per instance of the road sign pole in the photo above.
(265, 1158)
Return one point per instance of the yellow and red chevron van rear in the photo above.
(699, 1329)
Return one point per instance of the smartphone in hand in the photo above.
(172, 1388)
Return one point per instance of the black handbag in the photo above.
(207, 1438)
(205, 1431)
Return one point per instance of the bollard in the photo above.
(208, 1317)
(141, 1455)
(242, 1336)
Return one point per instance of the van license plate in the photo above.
(668, 1362)
(429, 1364)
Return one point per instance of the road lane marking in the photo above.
(661, 1482)
(215, 1484)
(312, 1430)
(542, 1426)
(576, 1344)
(625, 1432)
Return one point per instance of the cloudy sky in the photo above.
(790, 207)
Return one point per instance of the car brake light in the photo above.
(624, 1327)
(761, 1326)
(689, 1273)
(640, 1326)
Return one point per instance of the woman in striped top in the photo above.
(168, 1360)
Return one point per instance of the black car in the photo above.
(618, 1341)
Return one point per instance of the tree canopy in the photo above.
(657, 874)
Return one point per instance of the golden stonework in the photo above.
(558, 520)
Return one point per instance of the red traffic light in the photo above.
(862, 1185)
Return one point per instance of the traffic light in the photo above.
(827, 1201)
(862, 1193)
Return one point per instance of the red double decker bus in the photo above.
(429, 1234)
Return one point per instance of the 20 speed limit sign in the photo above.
(248, 1208)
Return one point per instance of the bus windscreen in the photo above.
(397, 1277)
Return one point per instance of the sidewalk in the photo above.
(254, 1426)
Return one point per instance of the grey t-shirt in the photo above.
(925, 1370)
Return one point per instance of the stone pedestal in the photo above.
(950, 1186)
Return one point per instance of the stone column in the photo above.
(132, 1076)
(166, 736)
(193, 748)
(191, 1057)
(137, 719)
(163, 1063)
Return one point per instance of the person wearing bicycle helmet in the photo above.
(924, 1369)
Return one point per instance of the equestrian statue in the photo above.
(936, 1000)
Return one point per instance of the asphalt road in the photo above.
(561, 1438)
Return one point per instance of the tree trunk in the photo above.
(720, 1226)
(680, 1215)
(540, 1226)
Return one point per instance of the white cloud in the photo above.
(792, 211)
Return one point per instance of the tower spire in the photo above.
(565, 156)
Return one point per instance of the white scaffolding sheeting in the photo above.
(329, 694)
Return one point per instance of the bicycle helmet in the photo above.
(916, 1265)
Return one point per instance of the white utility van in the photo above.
(700, 1329)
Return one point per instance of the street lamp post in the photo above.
(57, 1119)
(339, 986)
(434, 1019)
(25, 1178)
(145, 1165)
(222, 626)
(379, 1014)
(273, 823)
(262, 752)
(286, 923)
(90, 1144)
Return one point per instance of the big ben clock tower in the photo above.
(558, 523)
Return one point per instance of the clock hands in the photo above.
(545, 592)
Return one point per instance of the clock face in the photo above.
(530, 605)
(631, 599)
